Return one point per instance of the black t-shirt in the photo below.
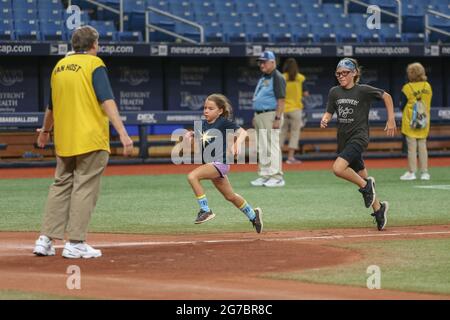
(214, 137)
(352, 107)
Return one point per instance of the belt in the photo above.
(263, 111)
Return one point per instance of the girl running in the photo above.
(352, 101)
(217, 110)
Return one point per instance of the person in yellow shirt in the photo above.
(293, 112)
(81, 106)
(416, 92)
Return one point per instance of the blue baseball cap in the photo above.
(346, 63)
(266, 56)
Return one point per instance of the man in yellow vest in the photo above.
(80, 108)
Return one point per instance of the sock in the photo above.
(248, 210)
(203, 203)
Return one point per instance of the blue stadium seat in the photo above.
(6, 14)
(224, 6)
(130, 36)
(302, 32)
(7, 35)
(333, 9)
(274, 17)
(207, 17)
(53, 14)
(159, 4)
(289, 6)
(257, 32)
(324, 33)
(413, 37)
(27, 30)
(281, 32)
(252, 17)
(234, 32)
(53, 30)
(347, 36)
(49, 5)
(177, 7)
(293, 16)
(24, 4)
(26, 14)
(229, 17)
(246, 7)
(213, 32)
(5, 4)
(268, 6)
(202, 6)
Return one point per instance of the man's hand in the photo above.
(43, 137)
(276, 124)
(127, 145)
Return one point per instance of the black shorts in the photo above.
(352, 153)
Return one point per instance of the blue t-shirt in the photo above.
(213, 139)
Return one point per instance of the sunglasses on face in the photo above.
(342, 73)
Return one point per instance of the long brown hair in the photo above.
(223, 103)
(291, 68)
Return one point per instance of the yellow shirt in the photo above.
(426, 94)
(80, 123)
(294, 93)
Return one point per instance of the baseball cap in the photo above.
(266, 55)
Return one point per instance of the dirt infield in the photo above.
(209, 266)
(158, 169)
(212, 266)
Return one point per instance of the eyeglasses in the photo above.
(342, 73)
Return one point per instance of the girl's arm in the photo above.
(241, 135)
(325, 119)
(390, 123)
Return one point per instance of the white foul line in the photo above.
(162, 243)
(331, 237)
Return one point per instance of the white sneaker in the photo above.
(272, 182)
(80, 250)
(425, 176)
(259, 182)
(407, 176)
(44, 247)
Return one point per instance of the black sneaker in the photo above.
(368, 192)
(204, 216)
(258, 222)
(381, 215)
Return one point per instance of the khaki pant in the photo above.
(292, 120)
(269, 152)
(73, 195)
(415, 145)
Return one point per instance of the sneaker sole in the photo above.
(42, 253)
(72, 256)
(385, 214)
(209, 218)
(260, 219)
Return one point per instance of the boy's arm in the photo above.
(390, 123)
(325, 119)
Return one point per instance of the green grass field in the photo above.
(165, 203)
(406, 265)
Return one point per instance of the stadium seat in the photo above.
(53, 31)
(130, 36)
(281, 32)
(234, 32)
(213, 32)
(52, 14)
(27, 30)
(7, 35)
(257, 32)
(6, 14)
(5, 4)
(207, 17)
(49, 5)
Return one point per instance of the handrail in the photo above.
(363, 4)
(108, 8)
(149, 26)
(428, 28)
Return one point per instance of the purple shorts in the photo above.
(221, 168)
